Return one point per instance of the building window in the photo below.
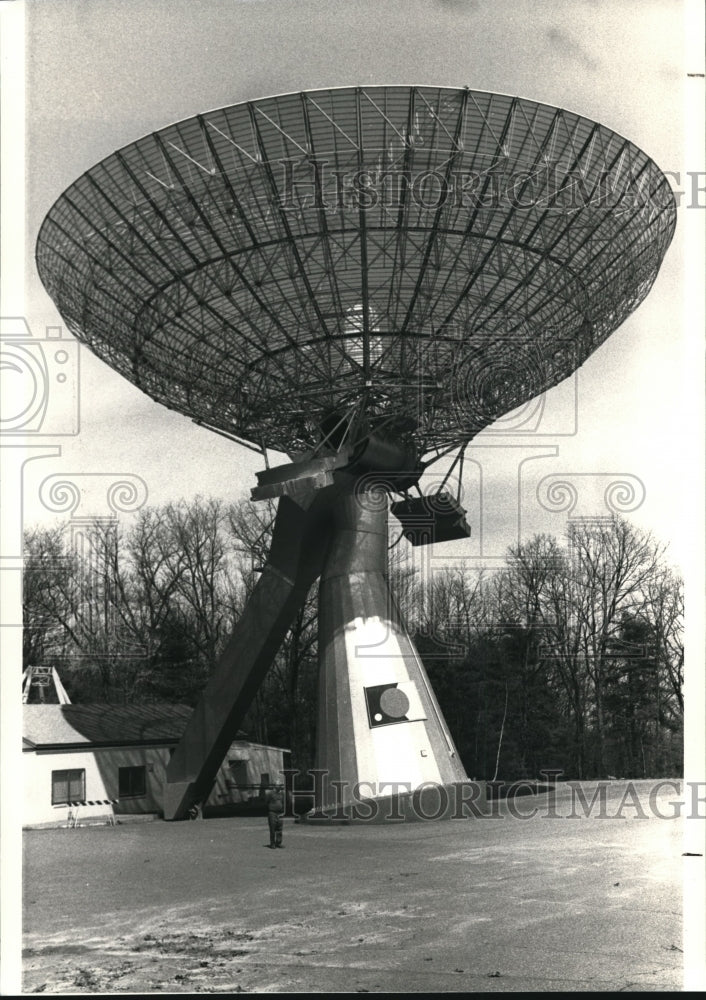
(131, 782)
(239, 771)
(68, 786)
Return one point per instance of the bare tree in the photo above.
(201, 577)
(45, 609)
(615, 563)
(579, 598)
(665, 610)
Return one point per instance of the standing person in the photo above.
(275, 813)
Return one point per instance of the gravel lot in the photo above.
(499, 904)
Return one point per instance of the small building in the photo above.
(89, 762)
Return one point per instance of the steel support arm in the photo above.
(300, 539)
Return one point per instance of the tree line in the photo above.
(569, 657)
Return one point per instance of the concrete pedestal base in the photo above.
(383, 747)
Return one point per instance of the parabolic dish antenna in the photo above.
(363, 278)
(430, 255)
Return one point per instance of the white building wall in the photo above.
(101, 767)
(262, 764)
(154, 760)
(37, 768)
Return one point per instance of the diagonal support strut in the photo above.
(299, 543)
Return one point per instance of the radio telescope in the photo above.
(361, 278)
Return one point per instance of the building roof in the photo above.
(62, 726)
(105, 725)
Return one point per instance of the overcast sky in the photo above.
(101, 73)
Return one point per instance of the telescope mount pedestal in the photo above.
(383, 748)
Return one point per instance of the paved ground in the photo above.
(488, 905)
